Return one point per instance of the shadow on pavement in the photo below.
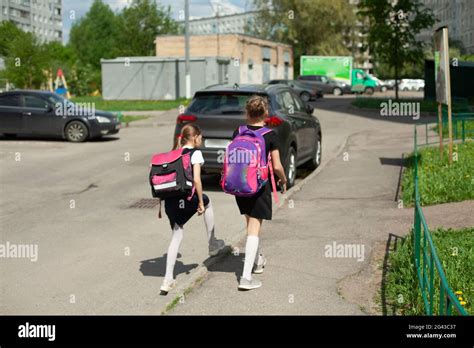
(391, 246)
(344, 105)
(229, 264)
(157, 267)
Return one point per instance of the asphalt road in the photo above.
(96, 255)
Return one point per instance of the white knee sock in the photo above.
(209, 221)
(257, 256)
(173, 251)
(251, 249)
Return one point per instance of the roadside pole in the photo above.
(443, 85)
(448, 82)
(186, 48)
(440, 130)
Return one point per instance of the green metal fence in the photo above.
(430, 272)
(463, 127)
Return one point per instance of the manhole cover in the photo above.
(145, 203)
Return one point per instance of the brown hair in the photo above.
(256, 108)
(187, 133)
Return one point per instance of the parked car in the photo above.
(381, 85)
(412, 85)
(304, 90)
(220, 109)
(47, 114)
(325, 84)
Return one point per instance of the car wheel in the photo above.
(383, 89)
(316, 160)
(291, 168)
(337, 91)
(305, 97)
(369, 91)
(405, 89)
(76, 132)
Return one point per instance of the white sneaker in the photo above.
(258, 268)
(246, 284)
(168, 285)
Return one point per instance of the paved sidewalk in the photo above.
(351, 201)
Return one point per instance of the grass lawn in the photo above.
(440, 182)
(131, 105)
(455, 249)
(128, 119)
(425, 105)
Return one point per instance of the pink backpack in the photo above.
(246, 169)
(171, 175)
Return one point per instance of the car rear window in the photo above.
(9, 100)
(219, 103)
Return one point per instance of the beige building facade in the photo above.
(258, 60)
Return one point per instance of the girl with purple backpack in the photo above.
(180, 209)
(258, 207)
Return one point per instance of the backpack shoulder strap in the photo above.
(264, 130)
(272, 178)
(242, 129)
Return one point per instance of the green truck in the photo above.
(339, 74)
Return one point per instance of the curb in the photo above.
(198, 276)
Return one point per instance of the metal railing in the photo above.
(428, 267)
(462, 123)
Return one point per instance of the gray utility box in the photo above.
(154, 78)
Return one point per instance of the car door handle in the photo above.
(26, 113)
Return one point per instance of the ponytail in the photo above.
(187, 133)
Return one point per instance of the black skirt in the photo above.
(179, 210)
(258, 206)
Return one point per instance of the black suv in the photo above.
(219, 109)
(45, 114)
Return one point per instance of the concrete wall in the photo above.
(151, 78)
(246, 50)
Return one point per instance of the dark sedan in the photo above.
(46, 114)
(304, 90)
(219, 110)
(325, 84)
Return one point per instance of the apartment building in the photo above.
(41, 17)
(238, 23)
(458, 16)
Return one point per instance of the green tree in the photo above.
(312, 27)
(8, 31)
(393, 26)
(26, 61)
(95, 35)
(139, 25)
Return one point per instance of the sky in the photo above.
(197, 8)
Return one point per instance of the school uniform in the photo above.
(259, 206)
(179, 209)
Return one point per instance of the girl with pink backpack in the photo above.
(251, 159)
(176, 178)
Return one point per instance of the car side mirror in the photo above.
(309, 109)
(49, 108)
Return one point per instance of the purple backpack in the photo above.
(245, 167)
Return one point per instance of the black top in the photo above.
(271, 139)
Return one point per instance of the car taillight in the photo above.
(185, 118)
(273, 121)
